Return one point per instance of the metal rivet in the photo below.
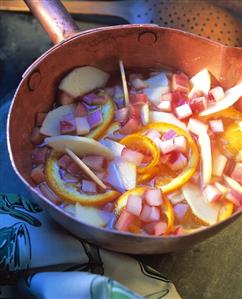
(147, 37)
(34, 80)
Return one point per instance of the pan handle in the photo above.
(54, 18)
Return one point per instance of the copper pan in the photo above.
(138, 46)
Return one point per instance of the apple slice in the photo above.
(51, 123)
(201, 208)
(82, 80)
(79, 145)
(90, 215)
(206, 156)
(231, 96)
(201, 82)
(156, 116)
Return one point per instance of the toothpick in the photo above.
(124, 81)
(85, 168)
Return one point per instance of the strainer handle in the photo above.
(54, 18)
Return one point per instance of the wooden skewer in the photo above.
(86, 169)
(124, 81)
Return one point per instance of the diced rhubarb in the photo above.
(180, 143)
(80, 110)
(37, 174)
(131, 126)
(138, 98)
(74, 169)
(63, 98)
(95, 118)
(196, 127)
(156, 228)
(212, 194)
(180, 82)
(150, 214)
(229, 167)
(139, 84)
(48, 193)
(218, 163)
(39, 155)
(134, 205)
(94, 162)
(237, 173)
(169, 134)
(165, 106)
(36, 137)
(198, 104)
(180, 211)
(183, 111)
(121, 115)
(152, 134)
(132, 156)
(82, 125)
(40, 117)
(216, 125)
(177, 161)
(235, 197)
(153, 197)
(65, 161)
(124, 221)
(216, 93)
(68, 124)
(166, 146)
(89, 187)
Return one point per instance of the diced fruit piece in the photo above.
(139, 84)
(154, 94)
(132, 156)
(40, 117)
(198, 104)
(79, 145)
(238, 105)
(121, 115)
(95, 118)
(153, 197)
(206, 157)
(216, 93)
(183, 111)
(94, 162)
(150, 214)
(114, 146)
(36, 137)
(169, 118)
(201, 208)
(231, 96)
(82, 126)
(48, 193)
(166, 146)
(82, 80)
(95, 99)
(51, 124)
(39, 155)
(165, 106)
(169, 134)
(235, 197)
(237, 173)
(89, 187)
(180, 211)
(68, 124)
(144, 114)
(73, 169)
(212, 194)
(179, 82)
(131, 126)
(90, 215)
(64, 161)
(159, 80)
(138, 98)
(233, 184)
(37, 174)
(80, 110)
(196, 127)
(224, 190)
(180, 143)
(201, 81)
(134, 204)
(216, 125)
(124, 221)
(63, 98)
(156, 228)
(176, 197)
(152, 134)
(218, 163)
(167, 96)
(177, 161)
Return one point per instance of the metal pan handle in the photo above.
(54, 18)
